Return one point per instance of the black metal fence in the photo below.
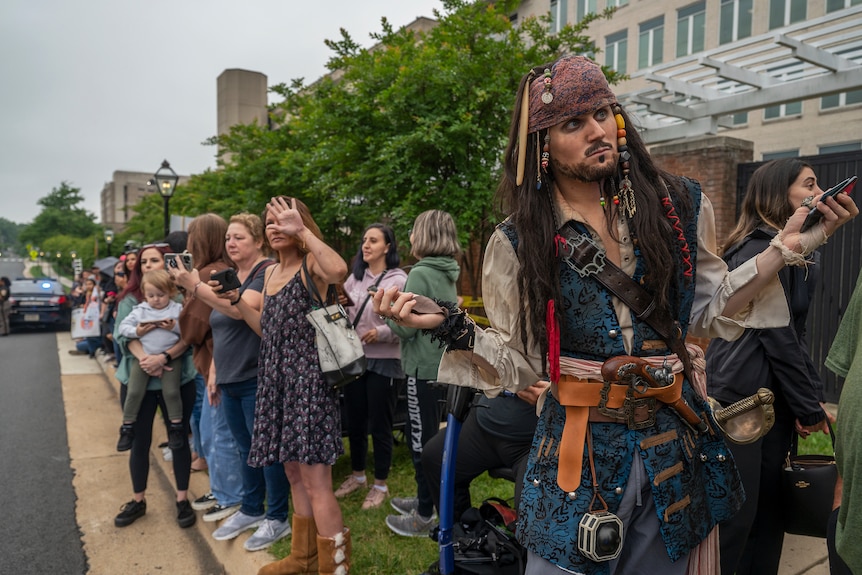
(841, 260)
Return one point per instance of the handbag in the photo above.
(808, 487)
(342, 357)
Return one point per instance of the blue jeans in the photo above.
(268, 483)
(223, 457)
(200, 392)
(89, 344)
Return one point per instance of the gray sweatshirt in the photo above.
(159, 339)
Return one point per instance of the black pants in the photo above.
(837, 566)
(478, 451)
(139, 458)
(751, 540)
(370, 405)
(424, 412)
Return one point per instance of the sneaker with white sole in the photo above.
(413, 525)
(236, 524)
(375, 498)
(219, 511)
(404, 505)
(270, 531)
(350, 485)
(205, 501)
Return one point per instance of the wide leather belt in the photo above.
(602, 402)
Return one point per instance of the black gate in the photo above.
(841, 259)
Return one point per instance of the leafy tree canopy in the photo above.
(417, 122)
(61, 211)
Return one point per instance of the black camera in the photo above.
(185, 258)
(227, 278)
(600, 536)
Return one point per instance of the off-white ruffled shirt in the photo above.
(514, 368)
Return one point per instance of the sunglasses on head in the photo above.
(159, 245)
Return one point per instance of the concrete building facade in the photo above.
(120, 196)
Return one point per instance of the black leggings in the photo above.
(139, 458)
(370, 405)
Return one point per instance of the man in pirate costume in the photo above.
(603, 266)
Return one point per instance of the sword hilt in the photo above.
(762, 397)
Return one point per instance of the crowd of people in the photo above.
(586, 210)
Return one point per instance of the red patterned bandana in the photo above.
(575, 86)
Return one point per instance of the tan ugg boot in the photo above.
(303, 551)
(334, 554)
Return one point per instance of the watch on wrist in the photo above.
(167, 356)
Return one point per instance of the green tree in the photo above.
(419, 121)
(9, 231)
(61, 211)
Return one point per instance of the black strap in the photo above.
(794, 441)
(585, 255)
(253, 274)
(313, 293)
(368, 297)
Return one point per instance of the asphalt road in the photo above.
(39, 532)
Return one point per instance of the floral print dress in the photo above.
(296, 414)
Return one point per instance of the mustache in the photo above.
(597, 147)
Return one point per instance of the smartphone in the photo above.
(227, 278)
(185, 258)
(815, 215)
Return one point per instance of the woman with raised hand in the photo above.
(297, 420)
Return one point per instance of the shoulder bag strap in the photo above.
(311, 286)
(368, 297)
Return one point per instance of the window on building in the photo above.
(585, 7)
(558, 15)
(779, 155)
(783, 110)
(840, 100)
(739, 119)
(786, 12)
(734, 20)
(836, 148)
(833, 5)
(690, 29)
(616, 47)
(651, 42)
(618, 3)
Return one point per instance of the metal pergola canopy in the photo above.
(696, 95)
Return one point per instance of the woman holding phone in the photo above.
(775, 358)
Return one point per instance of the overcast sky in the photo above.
(90, 87)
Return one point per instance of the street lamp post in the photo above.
(166, 179)
(109, 239)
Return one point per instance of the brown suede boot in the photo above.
(303, 551)
(334, 554)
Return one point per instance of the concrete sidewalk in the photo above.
(154, 543)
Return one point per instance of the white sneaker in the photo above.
(270, 531)
(236, 524)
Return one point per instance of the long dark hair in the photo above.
(133, 285)
(393, 260)
(206, 241)
(532, 212)
(766, 201)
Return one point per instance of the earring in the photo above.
(626, 193)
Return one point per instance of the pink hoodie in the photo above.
(388, 345)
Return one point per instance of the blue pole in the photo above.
(458, 400)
